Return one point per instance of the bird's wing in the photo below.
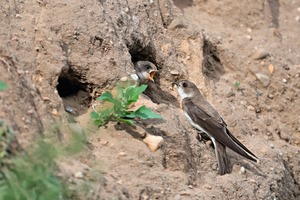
(214, 125)
(207, 108)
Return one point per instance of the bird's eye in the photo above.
(148, 67)
(184, 84)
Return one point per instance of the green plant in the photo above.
(119, 110)
(6, 137)
(237, 84)
(25, 179)
(30, 174)
(3, 86)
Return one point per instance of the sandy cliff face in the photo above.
(58, 56)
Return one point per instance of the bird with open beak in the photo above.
(144, 72)
(202, 116)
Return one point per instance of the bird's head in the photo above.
(145, 70)
(186, 88)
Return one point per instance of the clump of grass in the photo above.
(119, 111)
(238, 87)
(6, 138)
(28, 175)
(31, 174)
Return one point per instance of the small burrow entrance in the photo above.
(76, 98)
(212, 67)
(140, 51)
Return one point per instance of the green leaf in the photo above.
(237, 84)
(94, 115)
(129, 114)
(98, 122)
(106, 96)
(132, 93)
(3, 86)
(145, 113)
(126, 121)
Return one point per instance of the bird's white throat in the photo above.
(183, 94)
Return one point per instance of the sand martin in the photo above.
(205, 118)
(144, 72)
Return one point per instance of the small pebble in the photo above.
(284, 80)
(54, 112)
(207, 187)
(242, 170)
(30, 112)
(174, 72)
(271, 68)
(265, 80)
(260, 54)
(123, 79)
(122, 153)
(176, 24)
(78, 175)
(297, 18)
(271, 96)
(190, 186)
(249, 37)
(243, 103)
(258, 110)
(69, 109)
(272, 146)
(126, 10)
(46, 99)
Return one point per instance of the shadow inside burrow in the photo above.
(212, 66)
(74, 94)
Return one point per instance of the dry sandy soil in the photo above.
(58, 56)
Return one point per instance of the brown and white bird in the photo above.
(144, 72)
(205, 118)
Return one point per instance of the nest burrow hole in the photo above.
(75, 95)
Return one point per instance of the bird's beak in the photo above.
(175, 83)
(152, 74)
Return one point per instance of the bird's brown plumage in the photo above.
(201, 114)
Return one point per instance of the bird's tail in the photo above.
(241, 149)
(222, 159)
